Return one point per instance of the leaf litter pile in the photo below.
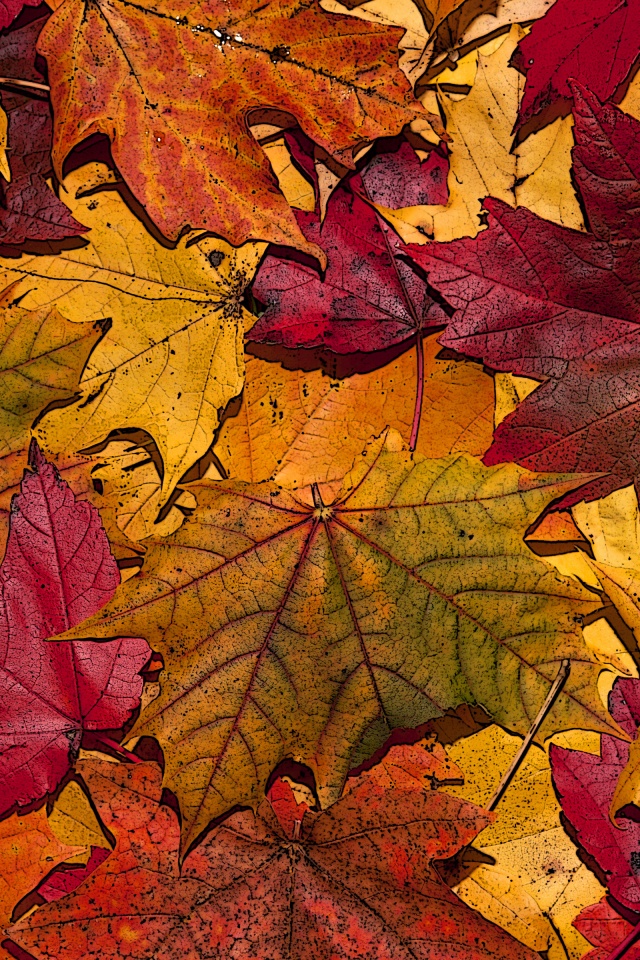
(319, 475)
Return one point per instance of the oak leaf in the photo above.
(288, 627)
(29, 209)
(29, 850)
(352, 881)
(173, 356)
(586, 786)
(300, 427)
(187, 123)
(537, 300)
(573, 42)
(56, 571)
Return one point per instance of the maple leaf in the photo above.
(537, 300)
(173, 356)
(315, 630)
(606, 930)
(355, 880)
(400, 178)
(572, 42)
(300, 427)
(337, 76)
(473, 24)
(41, 358)
(57, 570)
(29, 209)
(367, 300)
(586, 785)
(523, 871)
(29, 850)
(424, 765)
(482, 157)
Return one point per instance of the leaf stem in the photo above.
(632, 937)
(556, 687)
(108, 742)
(31, 84)
(417, 413)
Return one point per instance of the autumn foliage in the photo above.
(319, 474)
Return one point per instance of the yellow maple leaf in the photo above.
(173, 356)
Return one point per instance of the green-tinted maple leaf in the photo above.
(291, 628)
(41, 358)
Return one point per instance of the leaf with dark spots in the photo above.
(29, 209)
(586, 785)
(594, 43)
(368, 299)
(312, 623)
(57, 570)
(538, 300)
(355, 881)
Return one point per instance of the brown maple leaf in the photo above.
(178, 122)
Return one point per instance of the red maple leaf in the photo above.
(539, 300)
(595, 43)
(57, 571)
(586, 784)
(355, 882)
(29, 209)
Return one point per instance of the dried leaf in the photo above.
(29, 850)
(56, 571)
(29, 210)
(530, 880)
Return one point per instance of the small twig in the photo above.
(108, 742)
(317, 496)
(417, 414)
(556, 687)
(31, 84)
(623, 947)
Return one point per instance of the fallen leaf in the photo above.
(354, 879)
(29, 210)
(67, 878)
(130, 478)
(338, 77)
(605, 929)
(537, 300)
(301, 427)
(290, 628)
(417, 766)
(29, 850)
(56, 571)
(574, 43)
(73, 820)
(482, 161)
(173, 356)
(468, 29)
(586, 787)
(530, 880)
(41, 358)
(367, 299)
(400, 178)
(612, 527)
